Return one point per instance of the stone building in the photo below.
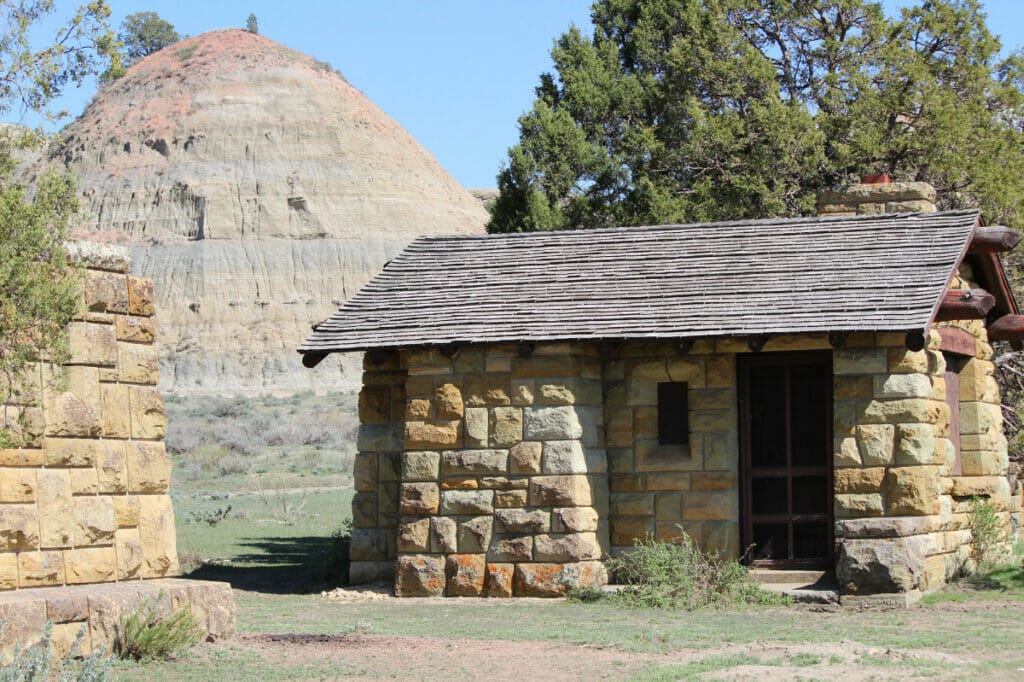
(86, 522)
(808, 392)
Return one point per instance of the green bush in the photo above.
(988, 534)
(678, 575)
(36, 662)
(336, 567)
(145, 635)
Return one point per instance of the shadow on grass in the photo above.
(298, 565)
(1009, 578)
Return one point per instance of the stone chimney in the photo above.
(878, 194)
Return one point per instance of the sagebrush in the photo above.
(989, 540)
(679, 575)
(146, 635)
(37, 664)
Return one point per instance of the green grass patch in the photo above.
(693, 671)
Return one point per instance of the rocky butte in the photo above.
(258, 189)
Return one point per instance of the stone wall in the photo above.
(85, 500)
(901, 512)
(886, 197)
(663, 489)
(502, 473)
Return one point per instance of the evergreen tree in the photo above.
(251, 25)
(144, 33)
(38, 293)
(695, 110)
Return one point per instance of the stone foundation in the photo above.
(97, 609)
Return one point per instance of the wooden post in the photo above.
(965, 304)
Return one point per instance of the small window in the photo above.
(673, 413)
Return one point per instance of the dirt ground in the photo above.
(369, 655)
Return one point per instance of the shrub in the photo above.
(679, 575)
(145, 635)
(232, 464)
(211, 517)
(192, 471)
(989, 540)
(183, 437)
(336, 566)
(36, 662)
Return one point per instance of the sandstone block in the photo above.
(977, 417)
(569, 547)
(467, 502)
(876, 444)
(17, 485)
(858, 504)
(93, 565)
(507, 499)
(419, 499)
(460, 483)
(522, 520)
(149, 467)
(670, 480)
(443, 535)
(881, 566)
(632, 504)
(92, 344)
(978, 486)
(888, 527)
(126, 510)
(389, 467)
(854, 386)
(433, 435)
(561, 491)
(422, 465)
(148, 418)
(721, 370)
(712, 420)
(525, 458)
(574, 520)
(552, 423)
(474, 535)
(982, 462)
(466, 573)
(554, 580)
(94, 521)
(711, 505)
(8, 572)
(476, 421)
(116, 415)
(134, 329)
(449, 401)
(70, 452)
(414, 535)
(564, 457)
(859, 361)
(486, 390)
(420, 575)
(909, 410)
(156, 532)
(912, 490)
(63, 637)
(849, 480)
(668, 507)
(364, 472)
(619, 428)
(19, 527)
(625, 530)
(498, 582)
(506, 426)
(40, 569)
(721, 537)
(518, 548)
(463, 462)
(902, 386)
(137, 363)
(56, 518)
(419, 409)
(915, 444)
(379, 438)
(128, 546)
(368, 544)
(21, 457)
(67, 415)
(140, 296)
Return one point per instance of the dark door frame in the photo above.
(787, 359)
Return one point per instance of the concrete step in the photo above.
(767, 576)
(806, 595)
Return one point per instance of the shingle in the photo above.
(801, 275)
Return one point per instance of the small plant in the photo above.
(186, 53)
(336, 567)
(36, 662)
(232, 464)
(284, 505)
(211, 517)
(145, 635)
(989, 539)
(586, 595)
(679, 575)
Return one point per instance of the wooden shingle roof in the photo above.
(800, 275)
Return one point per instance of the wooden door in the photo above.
(786, 458)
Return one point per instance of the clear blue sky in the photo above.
(455, 73)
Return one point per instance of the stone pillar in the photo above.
(885, 197)
(503, 477)
(376, 471)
